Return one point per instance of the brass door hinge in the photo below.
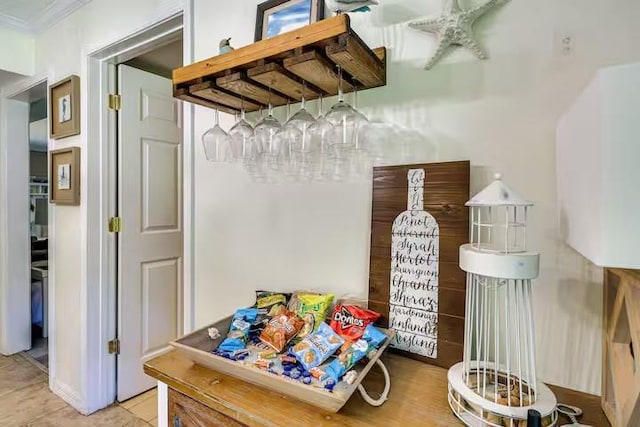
(115, 102)
(114, 346)
(115, 224)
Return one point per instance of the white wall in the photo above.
(21, 58)
(501, 114)
(60, 51)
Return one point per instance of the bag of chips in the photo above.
(372, 338)
(294, 301)
(350, 321)
(239, 330)
(317, 347)
(280, 330)
(271, 303)
(313, 310)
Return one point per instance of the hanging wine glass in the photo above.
(243, 144)
(265, 133)
(286, 140)
(296, 132)
(254, 164)
(345, 120)
(319, 135)
(381, 139)
(267, 128)
(360, 163)
(216, 142)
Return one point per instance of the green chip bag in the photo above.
(313, 310)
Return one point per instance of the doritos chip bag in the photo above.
(350, 321)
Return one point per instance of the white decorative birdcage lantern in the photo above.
(496, 384)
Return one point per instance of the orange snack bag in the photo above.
(280, 330)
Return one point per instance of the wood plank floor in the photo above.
(25, 400)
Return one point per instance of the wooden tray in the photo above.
(198, 348)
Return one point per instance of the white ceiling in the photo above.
(34, 16)
(160, 61)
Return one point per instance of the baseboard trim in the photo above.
(69, 395)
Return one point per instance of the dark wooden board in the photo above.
(446, 190)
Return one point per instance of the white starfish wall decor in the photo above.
(453, 27)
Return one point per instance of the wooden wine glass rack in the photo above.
(280, 69)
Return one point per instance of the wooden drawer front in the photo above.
(186, 412)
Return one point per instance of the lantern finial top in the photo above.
(498, 194)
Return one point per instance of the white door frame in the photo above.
(17, 259)
(100, 317)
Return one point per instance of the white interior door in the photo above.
(150, 243)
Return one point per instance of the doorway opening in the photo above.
(107, 202)
(38, 226)
(27, 222)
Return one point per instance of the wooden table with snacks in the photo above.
(202, 397)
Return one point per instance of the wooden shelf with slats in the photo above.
(275, 69)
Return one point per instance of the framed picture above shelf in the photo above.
(275, 17)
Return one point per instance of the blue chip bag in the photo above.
(317, 347)
(371, 339)
(239, 330)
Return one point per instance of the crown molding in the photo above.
(48, 17)
(13, 23)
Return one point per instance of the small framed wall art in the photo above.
(277, 17)
(65, 177)
(64, 107)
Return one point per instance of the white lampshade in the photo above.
(598, 165)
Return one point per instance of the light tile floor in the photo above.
(25, 400)
(144, 406)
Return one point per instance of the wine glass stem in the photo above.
(340, 90)
(355, 94)
(304, 90)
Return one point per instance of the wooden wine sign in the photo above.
(418, 222)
